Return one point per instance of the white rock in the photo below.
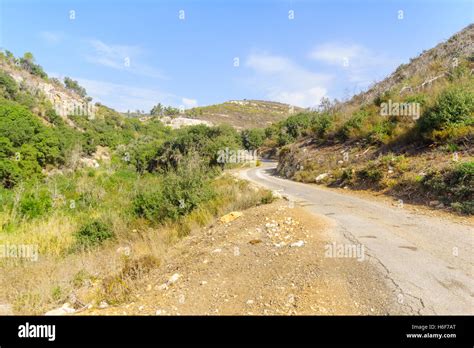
(6, 309)
(276, 194)
(297, 244)
(124, 250)
(103, 304)
(321, 177)
(162, 287)
(174, 278)
(218, 250)
(65, 309)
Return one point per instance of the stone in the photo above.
(297, 244)
(321, 177)
(103, 304)
(6, 309)
(64, 310)
(231, 216)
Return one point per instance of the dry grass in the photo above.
(105, 273)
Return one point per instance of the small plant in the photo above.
(454, 185)
(34, 205)
(93, 234)
(370, 174)
(267, 197)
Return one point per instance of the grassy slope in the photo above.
(395, 155)
(251, 115)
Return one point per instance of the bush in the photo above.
(8, 86)
(33, 205)
(182, 191)
(74, 86)
(93, 234)
(454, 107)
(370, 174)
(352, 126)
(10, 173)
(322, 124)
(453, 185)
(253, 138)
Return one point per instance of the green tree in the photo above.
(75, 87)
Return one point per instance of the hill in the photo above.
(409, 136)
(243, 114)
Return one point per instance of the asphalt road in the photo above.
(429, 260)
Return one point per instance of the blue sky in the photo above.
(134, 54)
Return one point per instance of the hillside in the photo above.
(78, 184)
(424, 69)
(409, 136)
(243, 114)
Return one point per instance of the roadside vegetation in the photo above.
(103, 199)
(423, 157)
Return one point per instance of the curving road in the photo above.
(428, 260)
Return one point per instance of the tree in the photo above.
(75, 87)
(27, 62)
(8, 86)
(253, 138)
(28, 56)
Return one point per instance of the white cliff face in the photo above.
(64, 102)
(179, 122)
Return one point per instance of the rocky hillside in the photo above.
(377, 141)
(244, 113)
(422, 71)
(49, 92)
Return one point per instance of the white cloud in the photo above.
(120, 57)
(283, 80)
(51, 37)
(189, 103)
(125, 97)
(334, 53)
(362, 65)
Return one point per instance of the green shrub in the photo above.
(253, 138)
(267, 197)
(181, 191)
(453, 185)
(8, 86)
(370, 174)
(93, 233)
(10, 173)
(454, 107)
(322, 124)
(33, 205)
(352, 126)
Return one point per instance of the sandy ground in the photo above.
(272, 260)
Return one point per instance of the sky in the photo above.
(133, 54)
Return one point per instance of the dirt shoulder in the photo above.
(269, 261)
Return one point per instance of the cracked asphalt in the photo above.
(428, 260)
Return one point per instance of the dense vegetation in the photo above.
(79, 186)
